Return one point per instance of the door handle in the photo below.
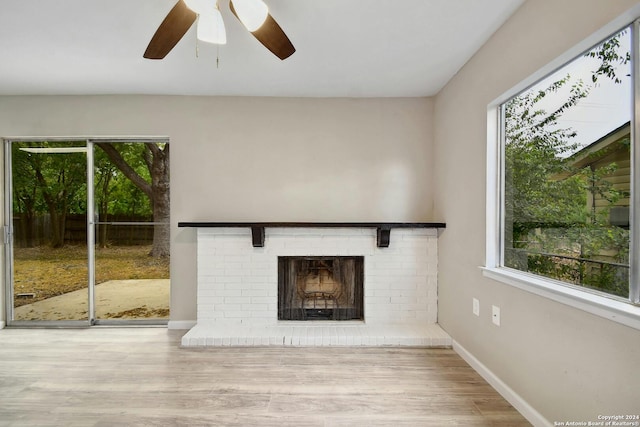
(6, 234)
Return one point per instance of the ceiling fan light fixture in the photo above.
(200, 6)
(252, 13)
(210, 27)
(206, 15)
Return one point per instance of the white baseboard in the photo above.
(181, 324)
(2, 324)
(527, 411)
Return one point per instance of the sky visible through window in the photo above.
(608, 105)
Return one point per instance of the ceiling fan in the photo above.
(254, 15)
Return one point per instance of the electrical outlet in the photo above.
(476, 307)
(495, 315)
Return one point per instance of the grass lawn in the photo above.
(46, 272)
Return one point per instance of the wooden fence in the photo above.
(37, 232)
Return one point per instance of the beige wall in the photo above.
(259, 159)
(567, 364)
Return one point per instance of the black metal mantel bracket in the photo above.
(383, 229)
(257, 237)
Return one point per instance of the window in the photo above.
(564, 209)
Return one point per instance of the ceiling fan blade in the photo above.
(271, 36)
(179, 19)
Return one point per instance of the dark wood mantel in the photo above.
(257, 228)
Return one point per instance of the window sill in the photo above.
(617, 311)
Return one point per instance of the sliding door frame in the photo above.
(8, 234)
(91, 142)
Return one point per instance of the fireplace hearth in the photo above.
(239, 303)
(320, 288)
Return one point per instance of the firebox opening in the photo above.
(321, 288)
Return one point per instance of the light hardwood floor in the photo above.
(141, 377)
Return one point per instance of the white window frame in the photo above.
(620, 311)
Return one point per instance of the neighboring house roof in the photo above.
(603, 147)
(613, 148)
(599, 153)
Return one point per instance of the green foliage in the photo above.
(38, 177)
(603, 277)
(48, 182)
(63, 177)
(534, 153)
(608, 52)
(549, 227)
(48, 186)
(115, 194)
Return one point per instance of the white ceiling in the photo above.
(345, 48)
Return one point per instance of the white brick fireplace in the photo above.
(237, 301)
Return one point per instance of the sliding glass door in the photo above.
(50, 271)
(131, 182)
(87, 232)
